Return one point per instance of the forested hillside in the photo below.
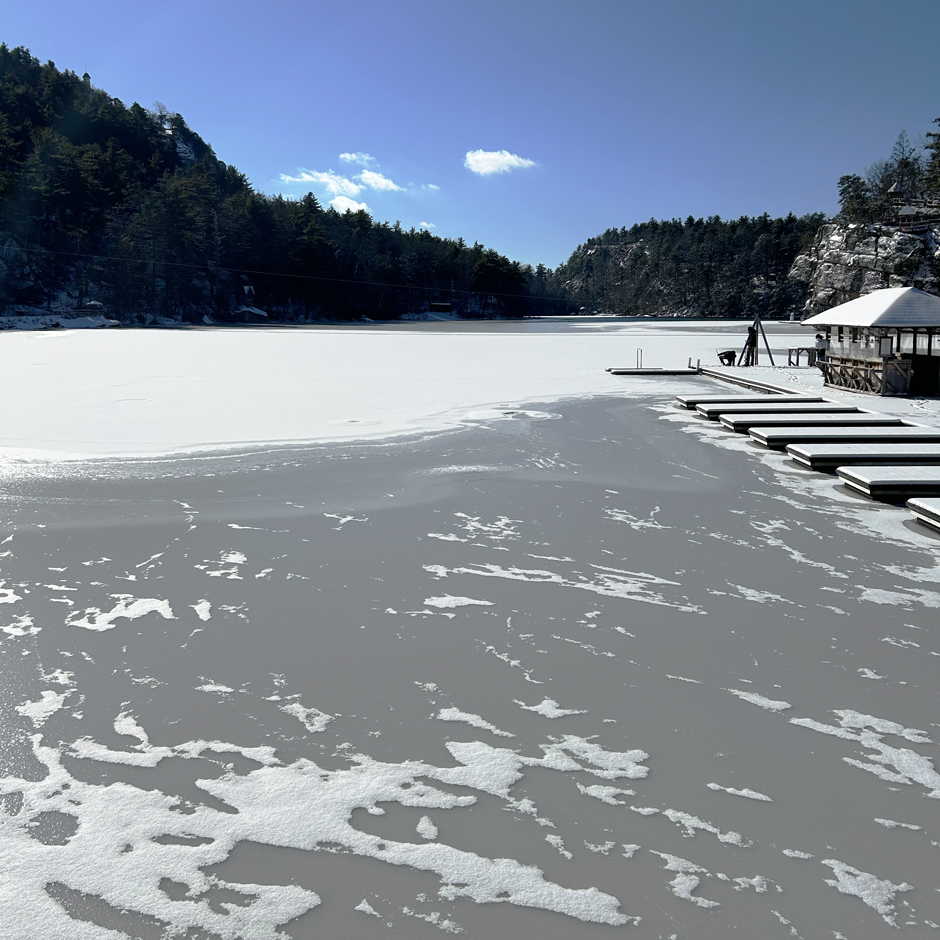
(699, 267)
(128, 206)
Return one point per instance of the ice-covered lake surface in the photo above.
(537, 655)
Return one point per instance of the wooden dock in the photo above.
(856, 419)
(926, 511)
(880, 456)
(690, 402)
(828, 456)
(891, 482)
(653, 371)
(715, 411)
(778, 438)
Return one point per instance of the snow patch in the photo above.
(127, 607)
(750, 794)
(755, 699)
(450, 601)
(876, 893)
(40, 711)
(549, 708)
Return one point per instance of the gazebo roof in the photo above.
(890, 307)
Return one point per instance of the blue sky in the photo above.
(588, 114)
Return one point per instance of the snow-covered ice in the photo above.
(249, 745)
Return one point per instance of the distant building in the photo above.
(885, 343)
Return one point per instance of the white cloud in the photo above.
(486, 162)
(426, 225)
(430, 186)
(344, 204)
(335, 184)
(364, 158)
(378, 181)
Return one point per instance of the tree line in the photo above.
(697, 267)
(130, 206)
(910, 177)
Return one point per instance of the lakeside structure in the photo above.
(885, 343)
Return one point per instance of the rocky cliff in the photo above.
(847, 260)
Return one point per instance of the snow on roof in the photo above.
(890, 307)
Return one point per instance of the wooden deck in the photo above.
(745, 422)
(891, 482)
(778, 438)
(691, 402)
(828, 456)
(653, 371)
(715, 411)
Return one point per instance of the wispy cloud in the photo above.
(428, 225)
(487, 162)
(334, 183)
(345, 204)
(364, 158)
(377, 181)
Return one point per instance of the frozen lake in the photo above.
(506, 647)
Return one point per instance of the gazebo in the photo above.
(885, 343)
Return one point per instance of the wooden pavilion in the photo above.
(885, 343)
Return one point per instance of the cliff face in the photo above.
(848, 260)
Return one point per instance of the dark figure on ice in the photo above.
(749, 353)
(820, 351)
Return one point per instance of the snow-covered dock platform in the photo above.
(690, 402)
(715, 411)
(891, 482)
(828, 456)
(926, 511)
(836, 418)
(779, 437)
(653, 371)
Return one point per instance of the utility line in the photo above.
(304, 277)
